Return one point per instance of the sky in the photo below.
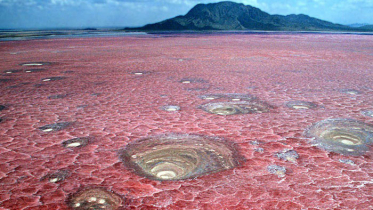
(44, 14)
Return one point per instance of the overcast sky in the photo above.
(120, 13)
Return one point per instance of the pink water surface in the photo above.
(106, 100)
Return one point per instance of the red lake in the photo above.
(187, 121)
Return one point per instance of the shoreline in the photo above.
(21, 35)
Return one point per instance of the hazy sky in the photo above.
(113, 13)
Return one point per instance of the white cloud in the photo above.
(76, 13)
(365, 2)
(350, 5)
(67, 2)
(320, 2)
(18, 2)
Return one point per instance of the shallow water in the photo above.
(15, 35)
(69, 106)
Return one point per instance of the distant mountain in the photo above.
(366, 27)
(235, 16)
(357, 25)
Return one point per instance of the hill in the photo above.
(236, 16)
(366, 27)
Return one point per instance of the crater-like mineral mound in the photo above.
(95, 198)
(241, 107)
(301, 105)
(179, 156)
(344, 136)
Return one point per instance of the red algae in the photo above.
(118, 91)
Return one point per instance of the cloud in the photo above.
(38, 2)
(66, 2)
(363, 2)
(353, 4)
(18, 2)
(96, 13)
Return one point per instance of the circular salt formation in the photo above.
(301, 105)
(192, 80)
(76, 142)
(344, 136)
(55, 126)
(34, 70)
(242, 107)
(11, 71)
(52, 79)
(140, 72)
(170, 108)
(179, 156)
(350, 91)
(95, 198)
(36, 64)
